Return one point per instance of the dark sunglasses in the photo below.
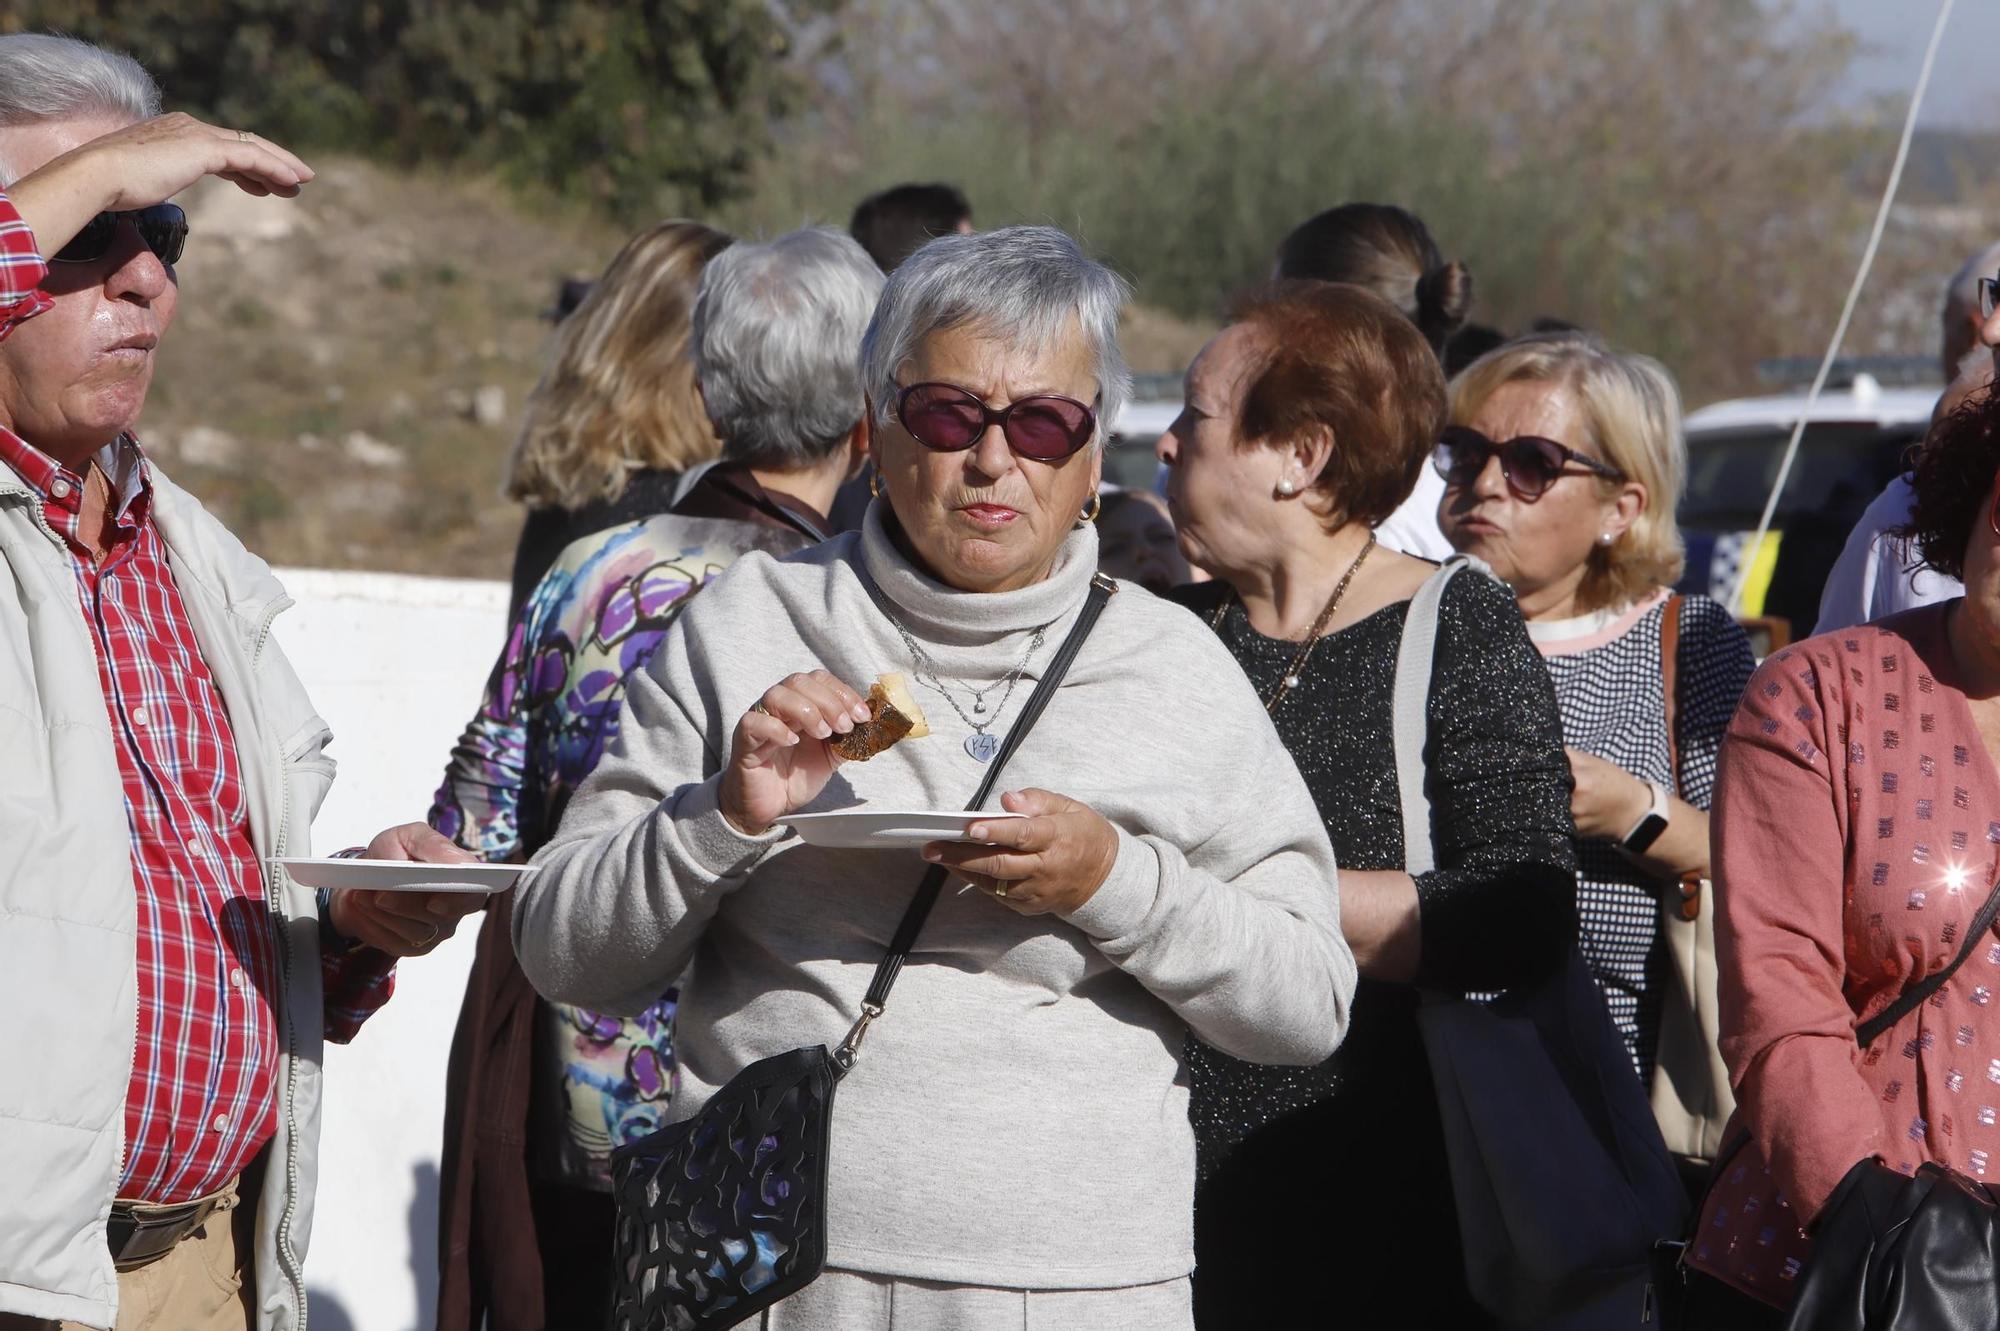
(1530, 463)
(1989, 296)
(950, 419)
(163, 227)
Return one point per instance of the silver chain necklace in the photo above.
(980, 744)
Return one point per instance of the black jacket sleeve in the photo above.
(1500, 908)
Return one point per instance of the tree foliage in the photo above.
(1667, 172)
(642, 106)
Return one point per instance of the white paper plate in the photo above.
(403, 875)
(876, 829)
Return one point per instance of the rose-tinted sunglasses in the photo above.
(163, 227)
(1530, 463)
(950, 419)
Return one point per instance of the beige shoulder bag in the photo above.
(1691, 1095)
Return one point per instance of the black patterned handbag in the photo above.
(722, 1215)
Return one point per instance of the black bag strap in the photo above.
(1914, 996)
(1865, 1034)
(1101, 591)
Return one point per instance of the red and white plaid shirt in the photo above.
(203, 1096)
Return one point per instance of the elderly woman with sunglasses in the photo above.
(1563, 463)
(1307, 423)
(1013, 1143)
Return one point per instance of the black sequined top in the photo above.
(1356, 1141)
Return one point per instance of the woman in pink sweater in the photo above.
(1857, 833)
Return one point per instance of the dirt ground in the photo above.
(347, 369)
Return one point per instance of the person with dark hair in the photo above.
(1389, 251)
(1307, 421)
(1468, 344)
(570, 292)
(1136, 540)
(891, 225)
(1854, 836)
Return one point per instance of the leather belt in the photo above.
(141, 1233)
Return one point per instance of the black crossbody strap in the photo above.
(1913, 997)
(919, 909)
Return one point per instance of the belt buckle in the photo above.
(149, 1238)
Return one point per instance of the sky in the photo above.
(1965, 87)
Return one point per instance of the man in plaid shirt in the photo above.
(164, 992)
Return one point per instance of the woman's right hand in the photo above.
(779, 759)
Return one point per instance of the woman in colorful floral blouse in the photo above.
(776, 331)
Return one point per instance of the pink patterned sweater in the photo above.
(1857, 832)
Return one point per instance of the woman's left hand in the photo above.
(1054, 859)
(1608, 800)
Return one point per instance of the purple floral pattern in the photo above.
(550, 708)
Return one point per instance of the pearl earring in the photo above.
(1605, 538)
(1287, 489)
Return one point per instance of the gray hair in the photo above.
(776, 329)
(1962, 292)
(46, 77)
(1025, 285)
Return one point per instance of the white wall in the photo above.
(395, 665)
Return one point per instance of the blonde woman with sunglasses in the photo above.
(1563, 462)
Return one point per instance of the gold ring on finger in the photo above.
(243, 135)
(430, 936)
(1000, 891)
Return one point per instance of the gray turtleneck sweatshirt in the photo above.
(1019, 1116)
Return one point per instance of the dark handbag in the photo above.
(1560, 1177)
(724, 1214)
(1912, 1254)
(1562, 1181)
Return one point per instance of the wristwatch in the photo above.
(1651, 823)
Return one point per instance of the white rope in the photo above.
(1750, 551)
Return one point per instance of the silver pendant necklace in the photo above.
(981, 744)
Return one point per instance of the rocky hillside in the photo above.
(343, 377)
(347, 369)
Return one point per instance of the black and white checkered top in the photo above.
(1611, 692)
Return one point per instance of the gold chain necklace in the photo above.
(1290, 679)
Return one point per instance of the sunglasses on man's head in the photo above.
(1530, 463)
(950, 419)
(163, 228)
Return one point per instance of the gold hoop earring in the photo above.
(874, 483)
(1096, 507)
